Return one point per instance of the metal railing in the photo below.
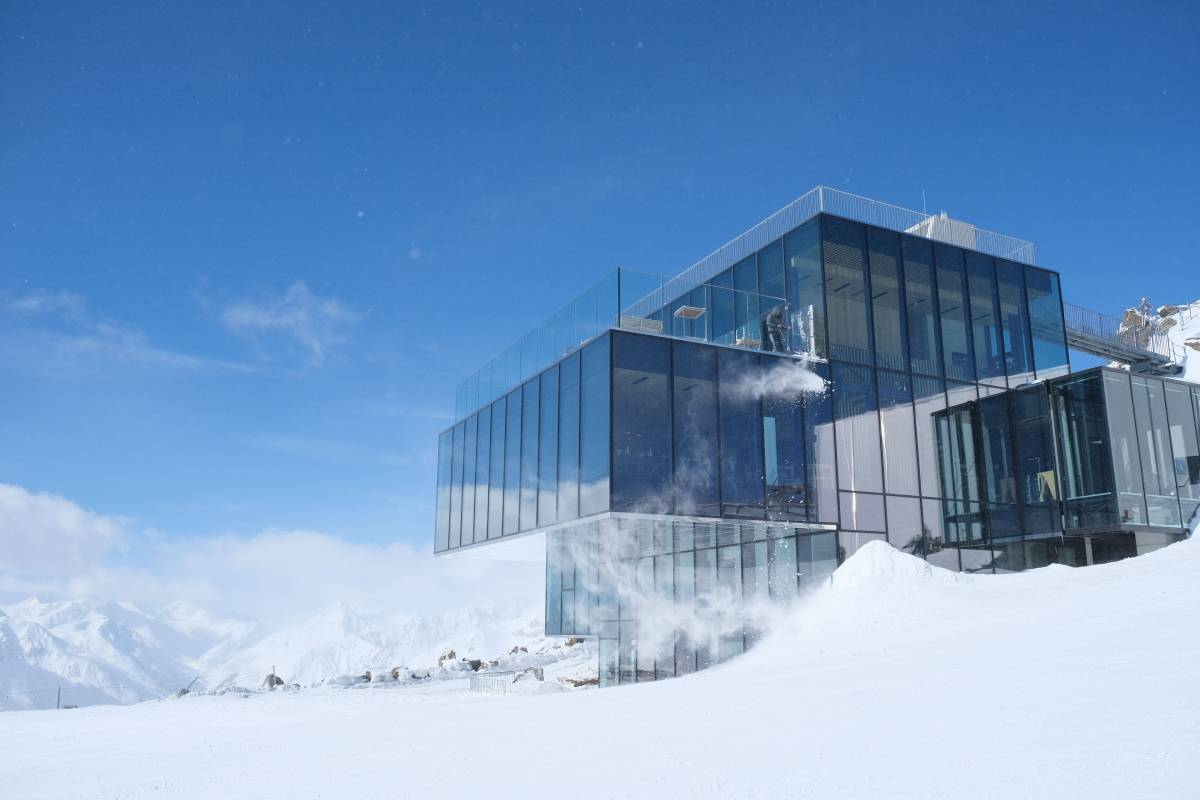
(1108, 336)
(491, 682)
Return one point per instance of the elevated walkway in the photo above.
(1146, 350)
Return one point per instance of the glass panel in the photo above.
(845, 290)
(959, 481)
(849, 542)
(496, 471)
(645, 648)
(862, 512)
(1158, 469)
(594, 444)
(822, 461)
(929, 397)
(770, 270)
(1014, 320)
(482, 465)
(555, 557)
(1087, 453)
(568, 438)
(784, 451)
(626, 653)
(685, 598)
(547, 511)
(456, 478)
(609, 649)
(823, 558)
(695, 406)
(806, 288)
(783, 574)
(741, 450)
(857, 427)
(904, 524)
(924, 338)
(887, 299)
(985, 318)
(1046, 321)
(1127, 463)
(729, 587)
(723, 305)
(958, 356)
(1036, 476)
(641, 479)
(1184, 447)
(746, 306)
(441, 530)
(512, 462)
(998, 468)
(755, 580)
(529, 455)
(468, 498)
(937, 551)
(664, 609)
(898, 429)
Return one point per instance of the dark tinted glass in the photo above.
(695, 414)
(887, 299)
(785, 455)
(568, 438)
(496, 471)
(1046, 322)
(846, 290)
(924, 339)
(957, 355)
(641, 478)
(741, 459)
(441, 538)
(770, 271)
(1036, 479)
(594, 440)
(806, 288)
(985, 318)
(1014, 322)
(1088, 492)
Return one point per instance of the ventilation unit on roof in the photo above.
(943, 229)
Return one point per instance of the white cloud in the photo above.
(54, 548)
(43, 535)
(42, 302)
(315, 323)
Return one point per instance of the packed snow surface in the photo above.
(898, 680)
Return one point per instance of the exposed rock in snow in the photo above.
(1180, 323)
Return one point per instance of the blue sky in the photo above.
(248, 250)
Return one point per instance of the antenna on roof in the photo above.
(924, 210)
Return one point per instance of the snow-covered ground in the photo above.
(1184, 333)
(899, 680)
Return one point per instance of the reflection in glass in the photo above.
(956, 337)
(806, 289)
(924, 337)
(846, 290)
(594, 445)
(642, 477)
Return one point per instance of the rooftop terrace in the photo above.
(628, 299)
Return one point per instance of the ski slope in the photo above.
(899, 680)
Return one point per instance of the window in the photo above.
(782, 573)
(694, 397)
(1036, 476)
(1158, 469)
(859, 462)
(456, 477)
(904, 524)
(998, 468)
(741, 453)
(958, 357)
(442, 526)
(755, 579)
(822, 461)
(496, 471)
(846, 290)
(512, 462)
(641, 479)
(482, 465)
(898, 432)
(1087, 453)
(784, 455)
(568, 438)
(594, 444)
(1127, 463)
(724, 307)
(1014, 321)
(985, 318)
(887, 299)
(547, 510)
(1046, 323)
(746, 305)
(468, 498)
(924, 338)
(1184, 446)
(770, 271)
(529, 455)
(806, 288)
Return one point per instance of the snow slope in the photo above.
(1184, 333)
(898, 680)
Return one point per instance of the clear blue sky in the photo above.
(247, 250)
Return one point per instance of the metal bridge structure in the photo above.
(1145, 349)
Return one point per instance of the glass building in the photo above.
(844, 372)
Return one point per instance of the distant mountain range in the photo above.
(105, 652)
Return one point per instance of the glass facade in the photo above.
(1080, 469)
(901, 327)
